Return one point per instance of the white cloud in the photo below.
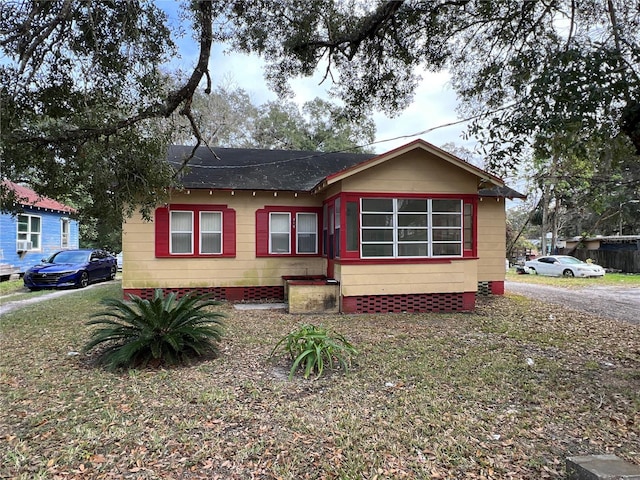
(433, 106)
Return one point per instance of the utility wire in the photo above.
(346, 150)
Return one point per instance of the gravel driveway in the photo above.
(619, 303)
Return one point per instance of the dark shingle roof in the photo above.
(255, 169)
(502, 192)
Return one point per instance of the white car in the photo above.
(563, 265)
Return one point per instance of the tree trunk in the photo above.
(554, 225)
(545, 217)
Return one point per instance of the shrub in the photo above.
(312, 347)
(161, 330)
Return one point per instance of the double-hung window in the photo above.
(211, 233)
(411, 227)
(279, 233)
(287, 231)
(306, 232)
(181, 233)
(447, 228)
(64, 232)
(199, 230)
(29, 232)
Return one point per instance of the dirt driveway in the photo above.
(7, 304)
(619, 303)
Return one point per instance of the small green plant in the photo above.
(161, 330)
(312, 347)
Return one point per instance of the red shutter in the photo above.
(262, 233)
(229, 232)
(162, 232)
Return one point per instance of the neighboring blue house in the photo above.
(40, 227)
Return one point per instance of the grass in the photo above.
(14, 290)
(9, 287)
(499, 393)
(610, 279)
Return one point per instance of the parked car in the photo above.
(71, 268)
(563, 265)
(120, 260)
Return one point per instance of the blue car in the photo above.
(71, 268)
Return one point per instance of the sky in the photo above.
(434, 100)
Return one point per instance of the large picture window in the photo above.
(411, 227)
(29, 231)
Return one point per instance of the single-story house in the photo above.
(38, 227)
(412, 229)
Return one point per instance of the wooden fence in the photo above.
(627, 261)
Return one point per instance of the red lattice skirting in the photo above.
(417, 302)
(230, 294)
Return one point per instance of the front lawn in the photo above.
(10, 287)
(506, 392)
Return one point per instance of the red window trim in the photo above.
(473, 201)
(262, 230)
(396, 261)
(162, 230)
(353, 256)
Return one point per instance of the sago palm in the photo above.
(165, 330)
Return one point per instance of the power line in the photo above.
(346, 150)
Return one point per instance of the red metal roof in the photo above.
(28, 198)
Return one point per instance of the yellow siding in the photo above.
(457, 276)
(413, 172)
(331, 191)
(144, 270)
(491, 239)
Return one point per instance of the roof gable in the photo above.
(485, 178)
(29, 198)
(294, 170)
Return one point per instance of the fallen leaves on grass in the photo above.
(429, 396)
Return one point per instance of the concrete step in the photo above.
(601, 467)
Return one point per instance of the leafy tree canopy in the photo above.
(528, 71)
(228, 118)
(88, 107)
(595, 192)
(83, 89)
